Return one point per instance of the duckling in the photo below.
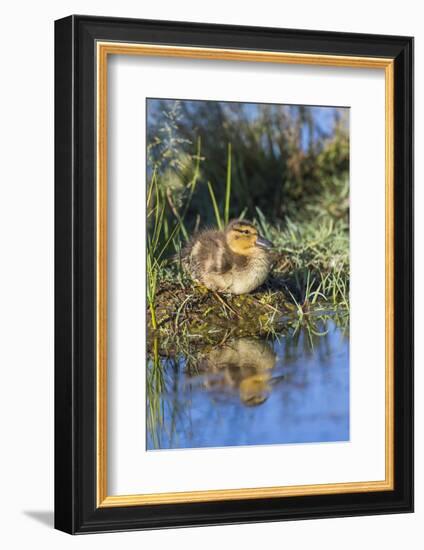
(236, 260)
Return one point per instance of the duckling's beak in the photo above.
(264, 243)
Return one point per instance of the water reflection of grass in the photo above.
(162, 379)
(155, 388)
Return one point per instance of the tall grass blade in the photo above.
(215, 206)
(228, 187)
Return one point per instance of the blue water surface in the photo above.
(285, 389)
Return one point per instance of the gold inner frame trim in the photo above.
(104, 49)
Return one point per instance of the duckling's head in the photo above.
(254, 390)
(243, 238)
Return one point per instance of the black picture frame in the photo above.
(76, 510)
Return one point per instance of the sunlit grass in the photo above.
(311, 270)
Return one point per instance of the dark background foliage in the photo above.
(287, 161)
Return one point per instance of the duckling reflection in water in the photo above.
(236, 260)
(244, 365)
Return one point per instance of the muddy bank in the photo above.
(196, 316)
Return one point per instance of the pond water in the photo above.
(291, 388)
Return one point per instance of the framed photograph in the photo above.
(234, 274)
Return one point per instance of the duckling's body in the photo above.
(236, 260)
